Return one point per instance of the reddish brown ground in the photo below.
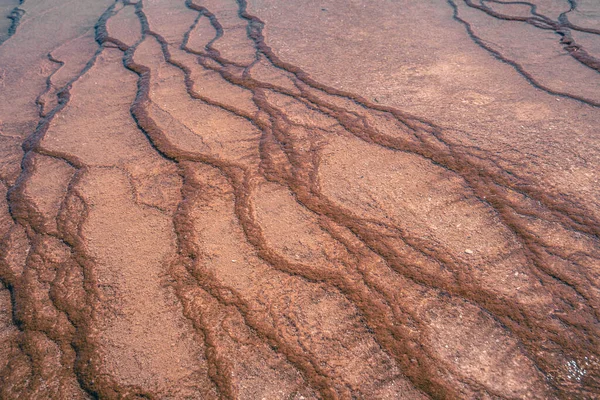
(300, 199)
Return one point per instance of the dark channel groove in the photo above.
(362, 238)
(76, 304)
(561, 27)
(573, 49)
(15, 17)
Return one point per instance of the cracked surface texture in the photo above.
(337, 199)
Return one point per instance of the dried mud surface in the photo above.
(221, 199)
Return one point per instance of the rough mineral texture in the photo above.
(299, 199)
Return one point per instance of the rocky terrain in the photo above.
(263, 199)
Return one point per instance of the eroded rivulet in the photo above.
(191, 211)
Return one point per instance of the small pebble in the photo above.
(469, 251)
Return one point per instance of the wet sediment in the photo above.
(186, 214)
